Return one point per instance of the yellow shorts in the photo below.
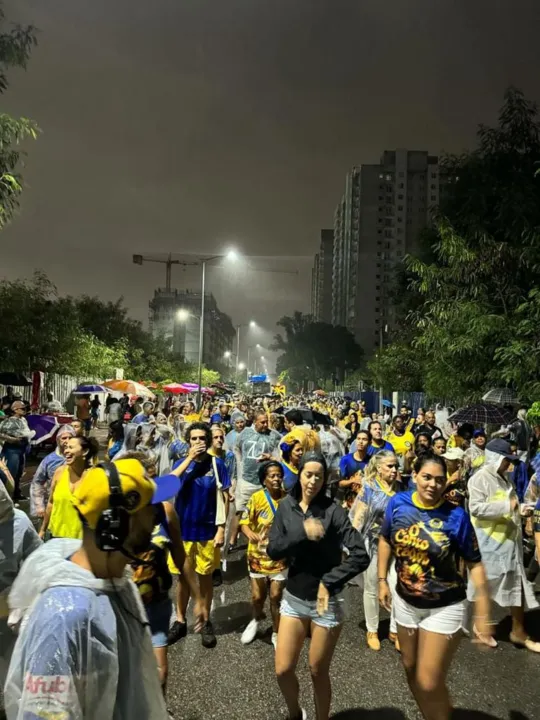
(204, 557)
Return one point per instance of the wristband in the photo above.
(382, 580)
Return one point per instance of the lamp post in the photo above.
(250, 324)
(231, 255)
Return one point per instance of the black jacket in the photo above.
(311, 563)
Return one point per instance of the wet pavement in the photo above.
(236, 682)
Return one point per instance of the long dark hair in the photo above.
(428, 456)
(296, 491)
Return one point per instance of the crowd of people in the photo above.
(435, 522)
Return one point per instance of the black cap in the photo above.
(502, 447)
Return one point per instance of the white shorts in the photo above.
(244, 491)
(444, 620)
(278, 577)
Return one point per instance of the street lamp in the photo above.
(251, 324)
(231, 255)
(182, 315)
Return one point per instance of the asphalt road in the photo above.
(236, 682)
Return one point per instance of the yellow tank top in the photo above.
(65, 521)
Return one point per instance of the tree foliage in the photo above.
(83, 336)
(474, 296)
(314, 351)
(16, 44)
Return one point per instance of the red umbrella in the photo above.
(175, 389)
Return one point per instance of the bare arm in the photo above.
(384, 556)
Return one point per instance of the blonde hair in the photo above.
(372, 470)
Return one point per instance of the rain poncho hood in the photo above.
(84, 649)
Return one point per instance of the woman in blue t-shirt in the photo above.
(427, 535)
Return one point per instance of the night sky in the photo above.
(191, 125)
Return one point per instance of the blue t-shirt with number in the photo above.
(427, 543)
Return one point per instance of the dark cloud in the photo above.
(184, 127)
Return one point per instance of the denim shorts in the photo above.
(159, 616)
(292, 606)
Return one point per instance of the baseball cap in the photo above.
(479, 433)
(454, 454)
(18, 405)
(91, 497)
(502, 447)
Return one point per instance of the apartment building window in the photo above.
(377, 287)
(389, 177)
(380, 209)
(400, 219)
(377, 277)
(433, 175)
(377, 298)
(388, 233)
(401, 174)
(433, 198)
(400, 207)
(381, 198)
(381, 176)
(400, 230)
(379, 231)
(389, 188)
(400, 197)
(401, 185)
(388, 222)
(433, 186)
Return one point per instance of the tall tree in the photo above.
(314, 351)
(16, 42)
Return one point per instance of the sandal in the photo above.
(488, 641)
(528, 643)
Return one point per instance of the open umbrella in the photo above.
(191, 387)
(128, 386)
(88, 389)
(484, 414)
(208, 391)
(387, 404)
(175, 389)
(501, 396)
(14, 379)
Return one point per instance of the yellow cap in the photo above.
(91, 497)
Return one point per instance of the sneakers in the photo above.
(217, 578)
(274, 640)
(208, 637)
(373, 641)
(177, 631)
(250, 633)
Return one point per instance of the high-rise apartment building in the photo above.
(377, 221)
(175, 315)
(321, 279)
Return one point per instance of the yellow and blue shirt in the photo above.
(427, 542)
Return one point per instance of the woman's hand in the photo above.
(385, 596)
(323, 598)
(314, 529)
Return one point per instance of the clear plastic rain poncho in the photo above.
(84, 649)
(17, 540)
